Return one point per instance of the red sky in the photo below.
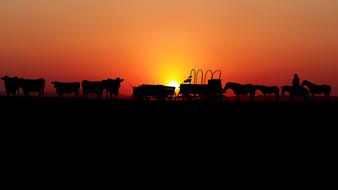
(155, 42)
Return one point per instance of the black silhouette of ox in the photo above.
(66, 88)
(32, 85)
(112, 86)
(159, 92)
(12, 85)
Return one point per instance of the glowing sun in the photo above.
(174, 84)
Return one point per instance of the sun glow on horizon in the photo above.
(174, 84)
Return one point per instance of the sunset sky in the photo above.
(158, 41)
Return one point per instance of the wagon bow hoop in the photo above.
(196, 73)
(213, 73)
(219, 76)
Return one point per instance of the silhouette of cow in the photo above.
(93, 87)
(32, 85)
(12, 85)
(66, 88)
(112, 86)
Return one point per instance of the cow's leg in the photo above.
(237, 95)
(264, 97)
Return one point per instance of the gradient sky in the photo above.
(156, 41)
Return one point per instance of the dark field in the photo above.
(173, 112)
(170, 121)
(202, 128)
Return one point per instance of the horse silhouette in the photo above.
(241, 89)
(268, 90)
(317, 89)
(295, 92)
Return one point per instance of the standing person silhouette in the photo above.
(296, 85)
(296, 82)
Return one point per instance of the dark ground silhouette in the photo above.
(189, 111)
(199, 126)
(103, 131)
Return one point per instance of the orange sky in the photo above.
(156, 41)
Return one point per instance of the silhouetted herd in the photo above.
(187, 91)
(14, 84)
